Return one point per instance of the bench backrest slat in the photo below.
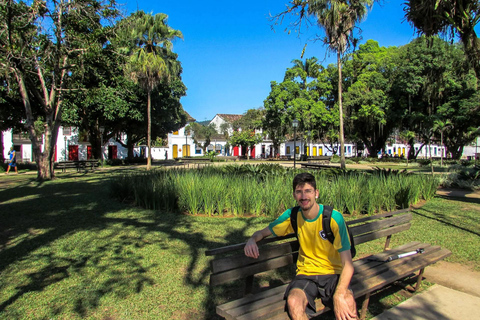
(267, 253)
(239, 273)
(380, 224)
(380, 233)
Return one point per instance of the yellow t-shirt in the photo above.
(317, 256)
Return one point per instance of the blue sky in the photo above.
(230, 53)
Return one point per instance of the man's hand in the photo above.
(344, 305)
(251, 249)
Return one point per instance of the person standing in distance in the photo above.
(324, 270)
(13, 161)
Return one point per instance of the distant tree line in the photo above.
(425, 91)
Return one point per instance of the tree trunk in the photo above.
(2, 147)
(340, 106)
(149, 130)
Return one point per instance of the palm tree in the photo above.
(338, 19)
(441, 126)
(309, 69)
(152, 61)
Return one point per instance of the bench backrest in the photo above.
(230, 262)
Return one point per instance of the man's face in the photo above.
(305, 196)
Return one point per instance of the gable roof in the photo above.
(230, 117)
(189, 117)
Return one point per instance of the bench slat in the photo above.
(234, 247)
(266, 253)
(380, 234)
(399, 272)
(219, 278)
(381, 224)
(365, 261)
(377, 216)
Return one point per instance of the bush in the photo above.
(465, 178)
(265, 189)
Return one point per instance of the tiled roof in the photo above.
(189, 117)
(230, 117)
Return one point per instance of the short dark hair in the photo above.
(302, 178)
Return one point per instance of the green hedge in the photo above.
(265, 190)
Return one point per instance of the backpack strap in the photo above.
(326, 218)
(293, 219)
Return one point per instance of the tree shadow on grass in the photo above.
(71, 230)
(444, 219)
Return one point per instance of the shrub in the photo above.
(262, 189)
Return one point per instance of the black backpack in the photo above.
(326, 218)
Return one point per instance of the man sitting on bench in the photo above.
(324, 270)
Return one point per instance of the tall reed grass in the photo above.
(266, 191)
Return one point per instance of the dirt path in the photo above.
(454, 276)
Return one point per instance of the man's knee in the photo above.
(296, 300)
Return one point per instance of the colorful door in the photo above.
(320, 151)
(175, 151)
(112, 152)
(235, 151)
(73, 152)
(185, 152)
(252, 152)
(314, 151)
(89, 152)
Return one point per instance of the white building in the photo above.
(72, 145)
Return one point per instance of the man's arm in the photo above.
(343, 300)
(251, 248)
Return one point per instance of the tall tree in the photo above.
(152, 62)
(370, 112)
(448, 18)
(338, 19)
(41, 46)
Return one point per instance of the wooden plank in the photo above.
(378, 216)
(249, 299)
(381, 224)
(263, 313)
(380, 267)
(379, 281)
(380, 234)
(240, 246)
(239, 273)
(240, 260)
(258, 307)
(366, 262)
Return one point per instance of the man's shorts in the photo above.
(319, 286)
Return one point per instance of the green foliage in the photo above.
(261, 190)
(464, 178)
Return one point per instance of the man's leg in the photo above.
(8, 169)
(297, 302)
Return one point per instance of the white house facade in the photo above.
(72, 145)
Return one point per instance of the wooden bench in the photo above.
(198, 161)
(371, 272)
(80, 165)
(310, 165)
(227, 158)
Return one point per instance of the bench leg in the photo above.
(248, 285)
(363, 312)
(419, 279)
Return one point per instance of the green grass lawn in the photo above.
(68, 251)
